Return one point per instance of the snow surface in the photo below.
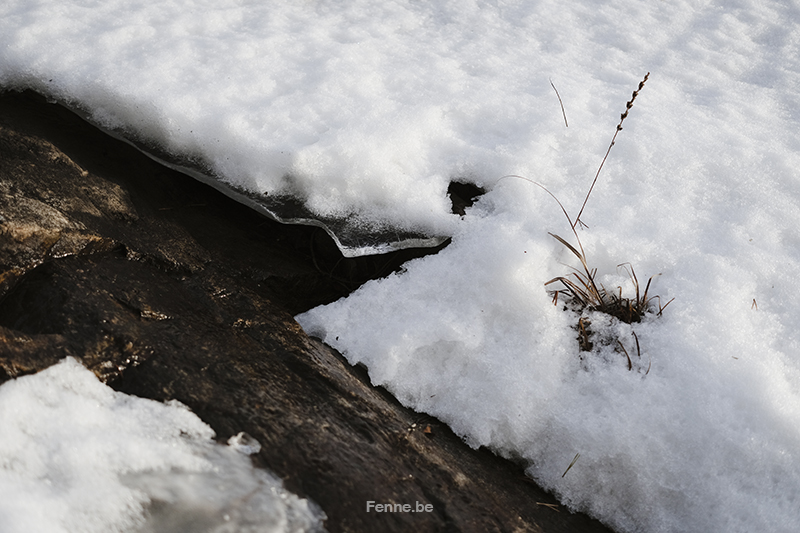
(77, 456)
(372, 108)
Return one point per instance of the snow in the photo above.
(77, 456)
(706, 440)
(368, 110)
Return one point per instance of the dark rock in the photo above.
(463, 195)
(167, 289)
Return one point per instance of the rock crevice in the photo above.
(167, 289)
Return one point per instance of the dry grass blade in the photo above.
(545, 189)
(630, 363)
(636, 307)
(585, 290)
(569, 246)
(571, 464)
(582, 295)
(583, 335)
(638, 353)
(552, 506)
(623, 116)
(560, 103)
(660, 307)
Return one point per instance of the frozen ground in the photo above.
(369, 110)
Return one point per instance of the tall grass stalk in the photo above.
(580, 287)
(622, 118)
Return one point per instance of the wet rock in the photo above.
(167, 289)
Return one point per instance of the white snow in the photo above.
(77, 456)
(372, 108)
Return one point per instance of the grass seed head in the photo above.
(580, 289)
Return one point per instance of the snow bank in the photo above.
(702, 435)
(77, 456)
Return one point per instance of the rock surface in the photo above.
(167, 289)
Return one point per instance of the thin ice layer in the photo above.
(365, 112)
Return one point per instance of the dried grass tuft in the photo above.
(580, 289)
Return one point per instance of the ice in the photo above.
(244, 443)
(367, 111)
(77, 456)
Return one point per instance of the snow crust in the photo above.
(77, 456)
(370, 109)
